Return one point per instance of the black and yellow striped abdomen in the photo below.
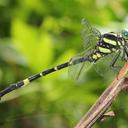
(108, 43)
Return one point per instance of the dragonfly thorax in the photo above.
(108, 43)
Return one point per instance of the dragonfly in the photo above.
(97, 46)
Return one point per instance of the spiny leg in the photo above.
(126, 53)
(115, 60)
(80, 71)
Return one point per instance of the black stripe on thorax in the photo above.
(111, 36)
(115, 37)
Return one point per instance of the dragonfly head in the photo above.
(125, 34)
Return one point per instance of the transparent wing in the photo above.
(90, 35)
(77, 71)
(103, 66)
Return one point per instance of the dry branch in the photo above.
(105, 100)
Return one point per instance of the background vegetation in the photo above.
(38, 34)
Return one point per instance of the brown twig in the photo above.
(105, 100)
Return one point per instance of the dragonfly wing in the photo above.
(90, 35)
(77, 71)
(90, 38)
(104, 68)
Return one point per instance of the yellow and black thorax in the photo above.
(108, 43)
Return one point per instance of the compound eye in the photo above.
(125, 34)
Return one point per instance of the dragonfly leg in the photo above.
(115, 60)
(126, 53)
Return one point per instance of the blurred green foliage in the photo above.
(38, 34)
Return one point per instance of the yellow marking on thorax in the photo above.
(26, 81)
(123, 42)
(119, 43)
(109, 41)
(94, 56)
(104, 50)
(113, 49)
(98, 55)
